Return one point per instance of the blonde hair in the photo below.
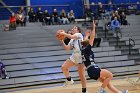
(85, 42)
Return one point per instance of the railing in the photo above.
(118, 35)
(106, 30)
(137, 3)
(1, 27)
(131, 45)
(36, 6)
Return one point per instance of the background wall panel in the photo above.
(4, 13)
(76, 5)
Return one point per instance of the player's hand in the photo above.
(94, 23)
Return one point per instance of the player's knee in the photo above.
(111, 76)
(63, 68)
(83, 79)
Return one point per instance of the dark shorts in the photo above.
(94, 72)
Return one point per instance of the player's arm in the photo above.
(66, 47)
(69, 35)
(92, 35)
(87, 34)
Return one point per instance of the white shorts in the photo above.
(76, 58)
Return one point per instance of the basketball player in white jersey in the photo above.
(75, 59)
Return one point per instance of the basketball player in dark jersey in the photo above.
(94, 72)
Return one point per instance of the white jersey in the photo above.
(75, 44)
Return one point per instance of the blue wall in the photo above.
(75, 5)
(4, 13)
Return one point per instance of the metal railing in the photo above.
(36, 6)
(118, 35)
(106, 30)
(122, 4)
(131, 45)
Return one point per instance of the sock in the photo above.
(69, 78)
(101, 89)
(83, 89)
(138, 79)
(120, 92)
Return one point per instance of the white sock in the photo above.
(120, 92)
(101, 89)
(138, 79)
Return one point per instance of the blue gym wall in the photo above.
(4, 13)
(75, 5)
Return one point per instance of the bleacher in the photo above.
(33, 55)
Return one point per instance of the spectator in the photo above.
(115, 24)
(47, 18)
(23, 12)
(110, 6)
(32, 15)
(12, 22)
(71, 16)
(113, 16)
(20, 18)
(117, 15)
(55, 17)
(64, 18)
(40, 15)
(88, 13)
(123, 19)
(101, 11)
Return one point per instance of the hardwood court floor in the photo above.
(121, 84)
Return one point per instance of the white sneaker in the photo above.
(101, 90)
(68, 83)
(126, 91)
(138, 79)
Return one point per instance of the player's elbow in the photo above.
(66, 48)
(75, 37)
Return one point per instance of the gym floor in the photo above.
(121, 84)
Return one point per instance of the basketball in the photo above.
(59, 36)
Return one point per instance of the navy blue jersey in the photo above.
(87, 54)
(93, 71)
